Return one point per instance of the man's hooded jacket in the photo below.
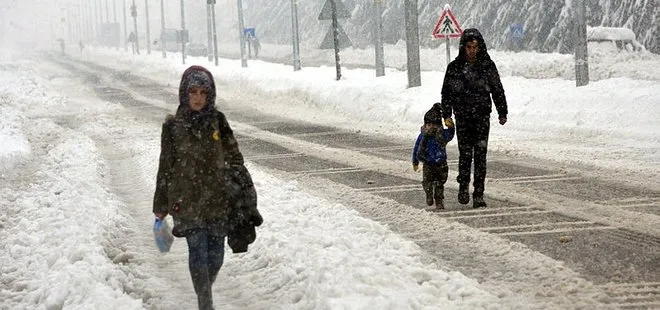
(467, 88)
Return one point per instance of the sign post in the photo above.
(335, 9)
(295, 35)
(447, 27)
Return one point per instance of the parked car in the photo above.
(171, 40)
(612, 40)
(196, 49)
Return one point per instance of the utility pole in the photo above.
(296, 37)
(215, 34)
(183, 34)
(100, 16)
(114, 10)
(87, 28)
(81, 22)
(146, 15)
(162, 28)
(209, 30)
(378, 38)
(81, 25)
(125, 28)
(137, 40)
(100, 12)
(68, 24)
(581, 53)
(241, 36)
(412, 43)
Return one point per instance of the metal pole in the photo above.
(162, 28)
(296, 37)
(100, 12)
(335, 36)
(581, 53)
(209, 31)
(80, 24)
(412, 43)
(125, 29)
(215, 34)
(146, 15)
(448, 52)
(378, 38)
(89, 33)
(114, 11)
(183, 30)
(241, 36)
(135, 27)
(68, 24)
(90, 21)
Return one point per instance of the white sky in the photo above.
(77, 176)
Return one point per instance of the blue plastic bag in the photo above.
(163, 235)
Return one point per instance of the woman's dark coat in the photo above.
(198, 149)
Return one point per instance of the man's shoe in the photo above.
(429, 200)
(463, 196)
(439, 204)
(478, 202)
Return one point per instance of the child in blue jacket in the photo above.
(430, 150)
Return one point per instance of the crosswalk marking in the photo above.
(487, 229)
(554, 231)
(329, 171)
(536, 178)
(274, 156)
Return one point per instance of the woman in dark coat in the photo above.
(197, 149)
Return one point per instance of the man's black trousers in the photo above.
(472, 135)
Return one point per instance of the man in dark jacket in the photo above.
(470, 80)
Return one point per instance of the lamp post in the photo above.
(162, 28)
(241, 36)
(183, 32)
(378, 38)
(125, 29)
(146, 15)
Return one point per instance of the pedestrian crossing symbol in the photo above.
(447, 26)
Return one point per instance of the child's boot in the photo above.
(439, 195)
(428, 190)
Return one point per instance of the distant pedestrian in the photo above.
(82, 46)
(62, 46)
(430, 149)
(132, 39)
(256, 45)
(203, 184)
(469, 82)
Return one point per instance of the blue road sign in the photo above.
(250, 32)
(516, 31)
